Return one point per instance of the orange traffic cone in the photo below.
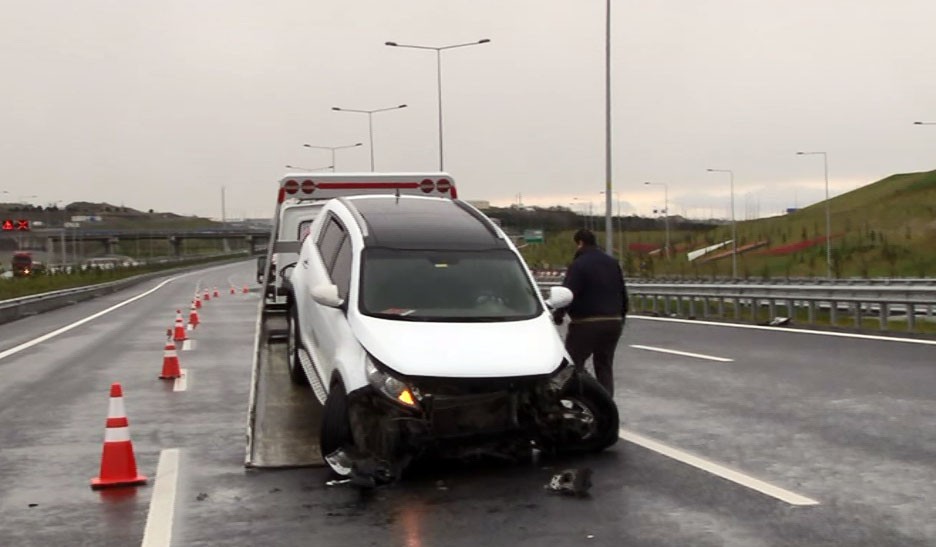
(118, 464)
(170, 368)
(246, 290)
(197, 302)
(233, 290)
(178, 331)
(216, 293)
(193, 320)
(207, 295)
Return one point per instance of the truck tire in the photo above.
(336, 426)
(296, 372)
(587, 396)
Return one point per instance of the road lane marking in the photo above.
(188, 344)
(181, 383)
(684, 353)
(718, 470)
(35, 341)
(158, 531)
(782, 329)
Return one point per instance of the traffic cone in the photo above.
(178, 331)
(216, 293)
(233, 290)
(193, 320)
(246, 290)
(207, 295)
(170, 368)
(197, 302)
(118, 464)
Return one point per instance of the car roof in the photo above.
(410, 222)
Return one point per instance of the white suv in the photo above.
(420, 329)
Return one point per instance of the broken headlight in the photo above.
(389, 386)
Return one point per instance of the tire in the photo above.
(336, 426)
(296, 372)
(587, 396)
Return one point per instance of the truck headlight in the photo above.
(389, 386)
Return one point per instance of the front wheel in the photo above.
(589, 416)
(336, 427)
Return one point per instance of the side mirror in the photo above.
(559, 297)
(327, 295)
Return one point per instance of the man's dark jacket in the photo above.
(597, 284)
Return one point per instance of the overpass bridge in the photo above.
(49, 239)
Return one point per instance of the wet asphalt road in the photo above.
(845, 421)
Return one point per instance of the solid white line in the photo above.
(188, 344)
(35, 341)
(181, 383)
(717, 469)
(783, 329)
(158, 532)
(684, 353)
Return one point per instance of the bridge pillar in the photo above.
(176, 243)
(250, 245)
(110, 245)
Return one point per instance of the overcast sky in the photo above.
(160, 104)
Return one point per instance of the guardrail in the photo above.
(17, 308)
(840, 306)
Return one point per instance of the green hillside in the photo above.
(887, 228)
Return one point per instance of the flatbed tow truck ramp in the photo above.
(283, 419)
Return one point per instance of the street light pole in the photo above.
(734, 225)
(609, 233)
(370, 124)
(301, 168)
(438, 52)
(333, 148)
(828, 208)
(665, 212)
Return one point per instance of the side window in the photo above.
(329, 242)
(304, 230)
(341, 273)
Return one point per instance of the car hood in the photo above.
(462, 350)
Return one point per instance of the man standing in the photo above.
(598, 309)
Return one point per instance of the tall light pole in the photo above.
(333, 148)
(665, 212)
(620, 228)
(924, 123)
(438, 51)
(828, 210)
(301, 168)
(609, 233)
(734, 225)
(370, 123)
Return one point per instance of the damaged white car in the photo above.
(421, 330)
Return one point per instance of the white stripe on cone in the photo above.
(115, 409)
(116, 434)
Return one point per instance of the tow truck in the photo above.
(284, 419)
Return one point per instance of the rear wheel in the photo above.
(589, 416)
(336, 426)
(296, 372)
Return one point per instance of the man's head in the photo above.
(584, 238)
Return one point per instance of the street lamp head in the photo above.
(335, 108)
(801, 153)
(394, 44)
(917, 123)
(402, 106)
(484, 40)
(358, 144)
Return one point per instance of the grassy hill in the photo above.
(887, 228)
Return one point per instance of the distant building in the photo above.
(479, 203)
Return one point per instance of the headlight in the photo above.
(561, 377)
(389, 386)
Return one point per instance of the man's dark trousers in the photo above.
(600, 337)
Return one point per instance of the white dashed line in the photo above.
(188, 344)
(181, 383)
(158, 532)
(718, 470)
(684, 353)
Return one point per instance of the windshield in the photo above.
(446, 286)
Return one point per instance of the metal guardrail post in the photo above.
(666, 305)
(771, 308)
(705, 310)
(721, 307)
(856, 309)
(885, 314)
(654, 306)
(737, 308)
(691, 307)
(911, 317)
(812, 311)
(833, 313)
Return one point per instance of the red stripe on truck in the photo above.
(365, 185)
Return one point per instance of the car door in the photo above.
(322, 324)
